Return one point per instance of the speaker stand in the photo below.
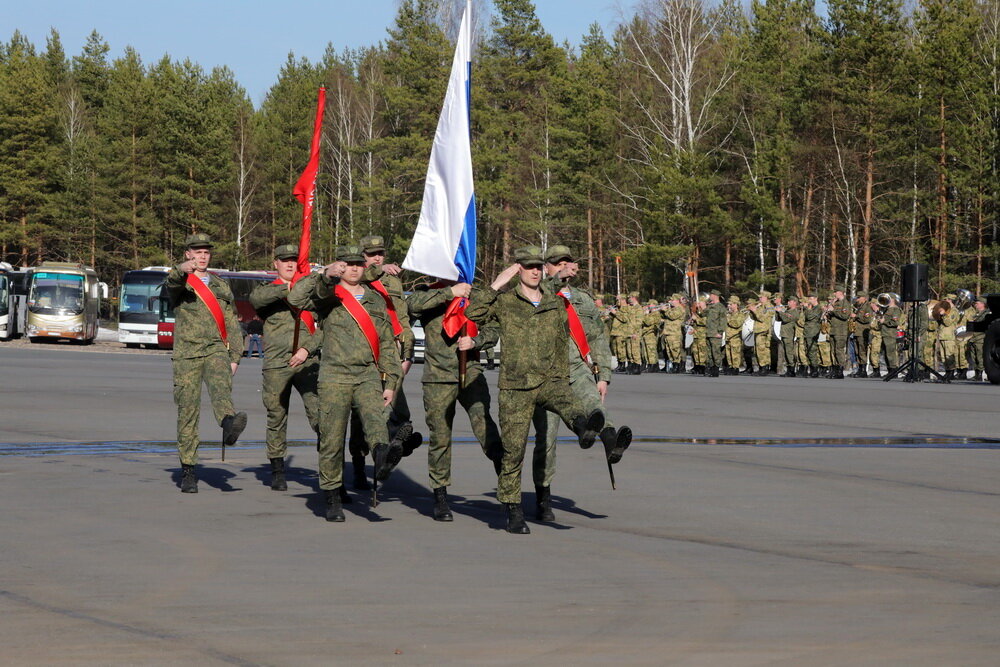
(913, 364)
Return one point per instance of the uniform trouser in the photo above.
(336, 400)
(862, 343)
(801, 353)
(217, 374)
(838, 345)
(891, 351)
(714, 347)
(543, 461)
(788, 352)
(948, 352)
(617, 348)
(396, 414)
(762, 348)
(439, 413)
(976, 352)
(633, 349)
(928, 350)
(517, 406)
(699, 350)
(734, 350)
(812, 350)
(825, 352)
(649, 349)
(276, 393)
(673, 347)
(875, 350)
(961, 354)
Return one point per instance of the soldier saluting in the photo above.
(290, 361)
(208, 346)
(534, 333)
(359, 368)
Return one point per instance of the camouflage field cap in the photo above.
(950, 297)
(199, 240)
(350, 253)
(764, 294)
(814, 294)
(839, 287)
(619, 297)
(372, 245)
(558, 253)
(863, 293)
(287, 251)
(652, 302)
(777, 296)
(633, 295)
(529, 256)
(716, 293)
(734, 299)
(792, 297)
(981, 300)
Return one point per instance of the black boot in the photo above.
(278, 482)
(949, 375)
(402, 434)
(387, 457)
(615, 442)
(588, 427)
(790, 373)
(412, 443)
(620, 368)
(441, 510)
(862, 372)
(543, 504)
(360, 478)
(232, 427)
(334, 512)
(838, 373)
(189, 481)
(345, 498)
(515, 519)
(876, 374)
(713, 371)
(814, 371)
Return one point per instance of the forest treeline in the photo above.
(708, 145)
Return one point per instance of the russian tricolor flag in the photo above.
(444, 243)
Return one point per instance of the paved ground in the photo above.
(707, 554)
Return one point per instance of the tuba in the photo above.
(964, 298)
(883, 301)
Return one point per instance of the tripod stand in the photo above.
(913, 364)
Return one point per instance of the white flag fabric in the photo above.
(444, 243)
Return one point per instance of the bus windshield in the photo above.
(56, 294)
(140, 297)
(4, 294)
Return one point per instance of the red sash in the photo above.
(377, 285)
(207, 297)
(304, 315)
(360, 316)
(576, 328)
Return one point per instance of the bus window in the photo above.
(56, 293)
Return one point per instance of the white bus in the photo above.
(13, 296)
(139, 306)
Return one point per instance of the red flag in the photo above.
(305, 190)
(454, 319)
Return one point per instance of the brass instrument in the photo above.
(964, 298)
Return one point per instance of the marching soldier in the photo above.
(889, 324)
(290, 359)
(589, 377)
(838, 315)
(534, 333)
(443, 387)
(763, 319)
(864, 330)
(359, 368)
(735, 317)
(207, 348)
(789, 318)
(715, 329)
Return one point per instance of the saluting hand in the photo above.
(187, 267)
(505, 276)
(461, 290)
(334, 270)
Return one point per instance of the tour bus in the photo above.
(240, 282)
(139, 306)
(13, 298)
(64, 301)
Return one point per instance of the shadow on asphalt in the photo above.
(214, 477)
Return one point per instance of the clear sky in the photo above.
(252, 37)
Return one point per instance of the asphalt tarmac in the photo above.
(757, 521)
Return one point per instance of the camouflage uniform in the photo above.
(673, 333)
(631, 316)
(789, 319)
(441, 383)
(349, 377)
(534, 371)
(283, 331)
(888, 330)
(699, 343)
(838, 317)
(650, 323)
(864, 330)
(715, 328)
(734, 336)
(582, 381)
(811, 328)
(946, 341)
(763, 321)
(976, 342)
(200, 355)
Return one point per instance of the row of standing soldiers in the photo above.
(811, 336)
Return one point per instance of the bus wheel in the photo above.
(991, 352)
(132, 346)
(35, 339)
